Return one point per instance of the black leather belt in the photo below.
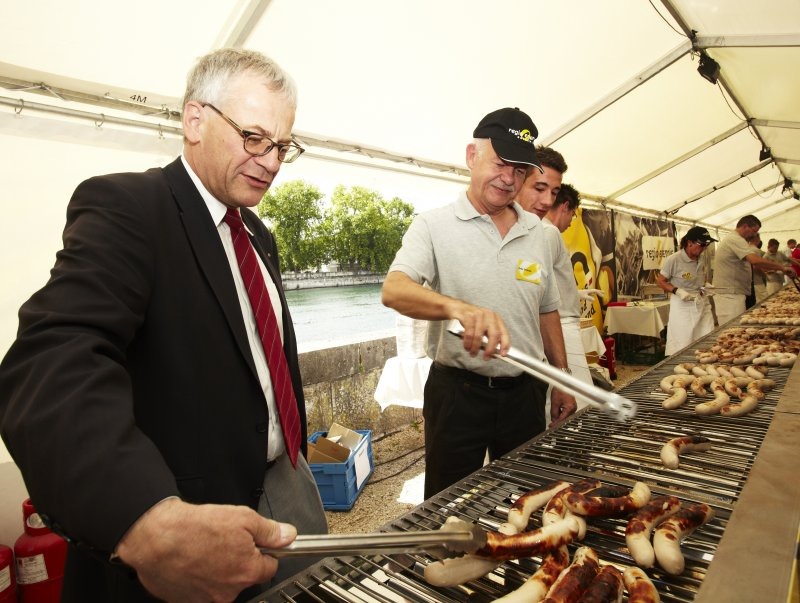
(482, 380)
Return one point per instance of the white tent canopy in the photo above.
(90, 87)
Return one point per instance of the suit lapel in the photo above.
(204, 240)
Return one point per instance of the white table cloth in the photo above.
(644, 318)
(592, 341)
(402, 382)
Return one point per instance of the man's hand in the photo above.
(562, 405)
(684, 295)
(478, 322)
(184, 552)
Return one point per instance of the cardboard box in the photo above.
(340, 483)
(333, 447)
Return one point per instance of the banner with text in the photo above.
(654, 250)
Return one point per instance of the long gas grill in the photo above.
(589, 445)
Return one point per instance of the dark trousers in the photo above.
(466, 415)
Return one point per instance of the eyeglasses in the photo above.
(259, 145)
(702, 244)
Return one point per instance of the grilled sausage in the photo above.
(734, 385)
(679, 395)
(606, 587)
(532, 501)
(757, 387)
(721, 398)
(576, 578)
(556, 510)
(535, 588)
(458, 570)
(640, 526)
(640, 587)
(529, 544)
(670, 452)
(748, 404)
(698, 385)
(669, 534)
(683, 369)
(598, 506)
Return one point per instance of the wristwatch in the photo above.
(566, 369)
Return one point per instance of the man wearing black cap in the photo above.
(733, 263)
(683, 275)
(486, 265)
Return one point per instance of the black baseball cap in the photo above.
(513, 135)
(700, 235)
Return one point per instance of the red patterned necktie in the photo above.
(268, 330)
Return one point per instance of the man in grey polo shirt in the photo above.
(733, 263)
(485, 263)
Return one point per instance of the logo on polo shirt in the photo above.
(530, 272)
(687, 276)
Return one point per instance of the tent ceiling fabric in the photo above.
(613, 85)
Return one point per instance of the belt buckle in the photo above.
(489, 382)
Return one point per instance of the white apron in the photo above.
(688, 321)
(576, 360)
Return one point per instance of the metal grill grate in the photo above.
(590, 444)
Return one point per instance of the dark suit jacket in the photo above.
(132, 379)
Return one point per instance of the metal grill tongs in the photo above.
(442, 543)
(609, 402)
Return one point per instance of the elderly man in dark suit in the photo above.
(153, 399)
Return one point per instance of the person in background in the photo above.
(775, 279)
(153, 424)
(683, 276)
(759, 290)
(794, 254)
(733, 264)
(790, 245)
(540, 189)
(555, 222)
(489, 268)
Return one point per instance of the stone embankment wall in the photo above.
(339, 384)
(314, 280)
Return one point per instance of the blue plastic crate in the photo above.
(337, 482)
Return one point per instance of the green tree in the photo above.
(295, 213)
(362, 230)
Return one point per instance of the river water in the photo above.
(331, 316)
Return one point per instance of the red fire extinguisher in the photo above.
(41, 555)
(610, 361)
(8, 585)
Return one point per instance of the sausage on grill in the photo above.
(669, 534)
(502, 547)
(671, 451)
(639, 586)
(598, 506)
(606, 587)
(535, 588)
(640, 526)
(532, 501)
(458, 570)
(576, 578)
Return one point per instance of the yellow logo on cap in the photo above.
(530, 272)
(525, 135)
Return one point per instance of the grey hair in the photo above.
(481, 144)
(208, 80)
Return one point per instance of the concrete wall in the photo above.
(315, 280)
(338, 383)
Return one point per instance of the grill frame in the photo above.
(720, 477)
